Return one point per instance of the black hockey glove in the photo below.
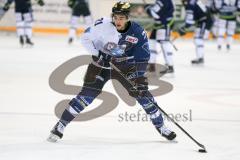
(102, 60)
(140, 88)
(40, 2)
(6, 6)
(71, 3)
(182, 31)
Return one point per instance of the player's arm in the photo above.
(7, 5)
(152, 10)
(89, 42)
(93, 43)
(141, 54)
(189, 17)
(136, 73)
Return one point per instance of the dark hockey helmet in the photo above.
(121, 8)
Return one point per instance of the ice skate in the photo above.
(21, 40)
(167, 133)
(70, 40)
(56, 132)
(29, 42)
(169, 69)
(198, 61)
(228, 47)
(219, 47)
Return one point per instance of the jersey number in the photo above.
(99, 21)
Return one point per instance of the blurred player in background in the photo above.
(24, 19)
(123, 43)
(214, 29)
(199, 15)
(162, 13)
(227, 11)
(79, 8)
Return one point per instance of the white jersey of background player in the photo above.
(227, 10)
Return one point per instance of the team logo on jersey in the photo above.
(131, 39)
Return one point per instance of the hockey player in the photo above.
(123, 43)
(79, 8)
(24, 19)
(162, 12)
(199, 15)
(227, 10)
(214, 29)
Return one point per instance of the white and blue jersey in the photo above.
(197, 13)
(104, 37)
(227, 8)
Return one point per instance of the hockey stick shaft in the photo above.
(171, 119)
(174, 46)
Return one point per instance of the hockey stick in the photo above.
(174, 46)
(203, 149)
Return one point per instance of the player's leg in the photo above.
(28, 19)
(200, 34)
(221, 31)
(163, 36)
(148, 103)
(85, 12)
(74, 23)
(20, 27)
(73, 28)
(231, 26)
(150, 107)
(94, 81)
(153, 51)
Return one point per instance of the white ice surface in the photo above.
(211, 92)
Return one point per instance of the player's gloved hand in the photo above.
(6, 6)
(40, 2)
(71, 3)
(117, 53)
(102, 60)
(182, 31)
(141, 87)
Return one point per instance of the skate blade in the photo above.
(53, 138)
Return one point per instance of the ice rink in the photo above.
(208, 95)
